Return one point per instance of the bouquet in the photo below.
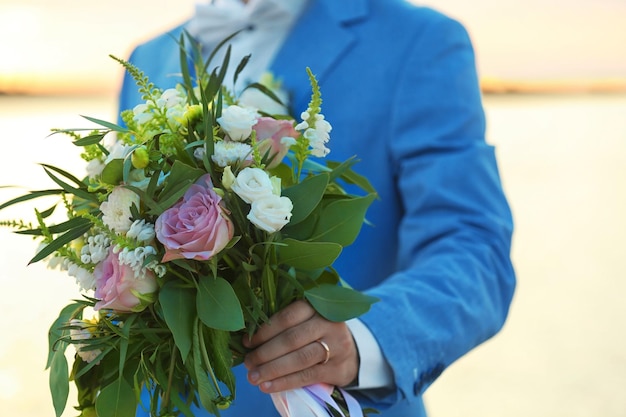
(199, 217)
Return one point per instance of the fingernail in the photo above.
(253, 376)
(266, 385)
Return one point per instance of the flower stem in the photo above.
(166, 396)
(205, 357)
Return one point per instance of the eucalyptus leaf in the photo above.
(335, 226)
(31, 196)
(79, 192)
(344, 171)
(206, 390)
(66, 174)
(305, 196)
(113, 172)
(89, 140)
(56, 333)
(218, 305)
(308, 255)
(179, 312)
(61, 241)
(116, 400)
(59, 381)
(180, 178)
(337, 303)
(57, 228)
(106, 124)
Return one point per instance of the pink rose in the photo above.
(197, 227)
(275, 136)
(118, 288)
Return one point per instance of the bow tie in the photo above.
(214, 22)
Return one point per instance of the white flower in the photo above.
(94, 168)
(95, 250)
(271, 213)
(316, 131)
(135, 258)
(116, 210)
(252, 184)
(230, 152)
(140, 230)
(199, 152)
(171, 98)
(85, 279)
(81, 332)
(118, 151)
(238, 121)
(142, 114)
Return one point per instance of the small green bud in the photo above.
(228, 178)
(88, 412)
(140, 157)
(193, 113)
(223, 403)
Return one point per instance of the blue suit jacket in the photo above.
(400, 89)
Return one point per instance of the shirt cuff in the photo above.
(374, 371)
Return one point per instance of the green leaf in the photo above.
(109, 125)
(113, 172)
(65, 174)
(59, 380)
(90, 140)
(116, 400)
(206, 390)
(61, 241)
(55, 333)
(305, 196)
(57, 228)
(344, 171)
(336, 225)
(32, 195)
(179, 312)
(308, 255)
(180, 178)
(337, 303)
(79, 192)
(218, 305)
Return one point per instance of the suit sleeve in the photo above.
(455, 280)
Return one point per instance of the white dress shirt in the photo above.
(266, 24)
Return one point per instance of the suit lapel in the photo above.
(318, 40)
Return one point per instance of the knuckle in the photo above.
(288, 317)
(293, 338)
(307, 375)
(306, 356)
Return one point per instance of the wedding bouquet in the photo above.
(197, 220)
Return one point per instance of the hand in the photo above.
(286, 354)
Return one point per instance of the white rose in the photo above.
(238, 121)
(271, 213)
(116, 210)
(252, 184)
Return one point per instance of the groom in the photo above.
(400, 89)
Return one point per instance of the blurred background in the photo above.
(554, 79)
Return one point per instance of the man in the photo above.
(401, 92)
